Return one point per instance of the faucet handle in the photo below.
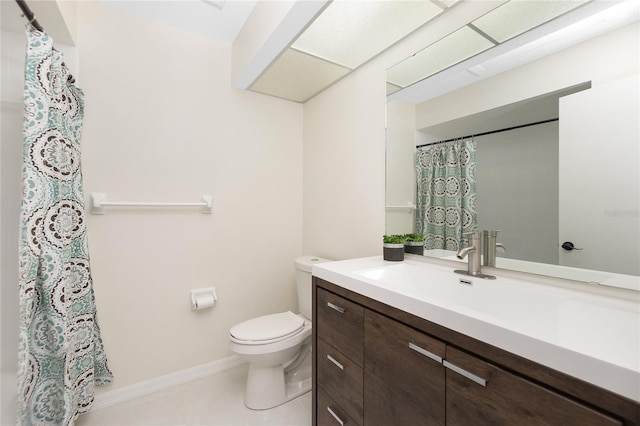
(492, 234)
(473, 237)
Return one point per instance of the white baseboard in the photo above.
(128, 393)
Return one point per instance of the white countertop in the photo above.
(590, 336)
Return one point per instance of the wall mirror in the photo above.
(557, 131)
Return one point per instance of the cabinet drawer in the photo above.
(480, 393)
(404, 376)
(330, 413)
(340, 322)
(341, 378)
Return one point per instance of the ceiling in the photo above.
(347, 33)
(217, 19)
(468, 65)
(344, 36)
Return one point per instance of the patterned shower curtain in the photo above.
(446, 193)
(61, 357)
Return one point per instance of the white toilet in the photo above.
(278, 347)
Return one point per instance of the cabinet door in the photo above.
(404, 377)
(341, 378)
(340, 323)
(479, 393)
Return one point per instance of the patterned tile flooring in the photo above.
(213, 401)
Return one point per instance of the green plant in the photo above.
(414, 237)
(394, 239)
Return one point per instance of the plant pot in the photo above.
(393, 252)
(414, 247)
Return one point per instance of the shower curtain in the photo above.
(61, 356)
(446, 193)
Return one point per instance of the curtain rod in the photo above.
(489, 132)
(31, 17)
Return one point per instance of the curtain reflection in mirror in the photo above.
(446, 193)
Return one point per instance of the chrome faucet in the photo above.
(474, 252)
(489, 248)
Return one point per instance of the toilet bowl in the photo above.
(278, 348)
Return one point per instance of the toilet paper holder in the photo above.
(203, 298)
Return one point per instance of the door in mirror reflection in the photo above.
(599, 188)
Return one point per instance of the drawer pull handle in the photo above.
(335, 416)
(465, 373)
(336, 307)
(333, 360)
(425, 352)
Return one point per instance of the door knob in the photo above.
(568, 245)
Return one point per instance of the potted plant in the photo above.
(414, 244)
(393, 247)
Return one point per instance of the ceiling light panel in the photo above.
(298, 77)
(518, 16)
(350, 32)
(454, 48)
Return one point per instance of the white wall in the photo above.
(344, 168)
(162, 123)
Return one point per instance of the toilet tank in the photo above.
(303, 266)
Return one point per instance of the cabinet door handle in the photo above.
(465, 373)
(425, 352)
(335, 361)
(336, 307)
(335, 416)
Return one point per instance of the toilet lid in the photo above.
(268, 327)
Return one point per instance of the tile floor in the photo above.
(215, 400)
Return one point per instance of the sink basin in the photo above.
(500, 301)
(518, 305)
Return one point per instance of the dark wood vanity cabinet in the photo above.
(376, 365)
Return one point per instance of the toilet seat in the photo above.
(267, 329)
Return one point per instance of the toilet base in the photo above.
(268, 387)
